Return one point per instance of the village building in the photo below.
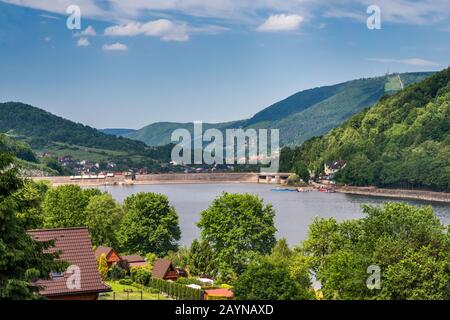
(111, 256)
(331, 167)
(134, 261)
(218, 294)
(75, 247)
(164, 269)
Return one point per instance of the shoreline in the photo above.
(236, 178)
(423, 195)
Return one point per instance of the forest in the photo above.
(403, 141)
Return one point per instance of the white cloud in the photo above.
(47, 39)
(164, 29)
(282, 22)
(89, 31)
(410, 61)
(239, 12)
(83, 42)
(115, 47)
(89, 7)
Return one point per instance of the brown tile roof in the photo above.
(137, 264)
(76, 248)
(161, 267)
(133, 258)
(102, 250)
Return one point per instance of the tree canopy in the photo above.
(150, 224)
(408, 244)
(22, 259)
(103, 216)
(238, 227)
(402, 141)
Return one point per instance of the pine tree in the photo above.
(22, 259)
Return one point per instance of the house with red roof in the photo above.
(81, 280)
(111, 256)
(135, 261)
(218, 294)
(164, 269)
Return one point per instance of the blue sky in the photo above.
(137, 62)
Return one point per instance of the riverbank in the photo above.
(164, 178)
(397, 193)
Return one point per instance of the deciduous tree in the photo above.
(150, 224)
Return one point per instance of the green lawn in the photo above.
(135, 294)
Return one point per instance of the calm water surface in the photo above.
(294, 210)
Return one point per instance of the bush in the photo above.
(116, 272)
(176, 290)
(126, 282)
(140, 275)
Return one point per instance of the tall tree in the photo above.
(265, 280)
(408, 246)
(150, 224)
(29, 200)
(103, 215)
(238, 228)
(64, 206)
(21, 258)
(201, 258)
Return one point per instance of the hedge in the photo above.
(176, 290)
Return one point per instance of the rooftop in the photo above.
(75, 247)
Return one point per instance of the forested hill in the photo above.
(402, 141)
(305, 114)
(41, 127)
(48, 133)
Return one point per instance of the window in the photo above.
(57, 275)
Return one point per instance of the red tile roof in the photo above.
(102, 250)
(135, 261)
(220, 293)
(76, 248)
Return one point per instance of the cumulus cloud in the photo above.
(115, 47)
(83, 42)
(410, 61)
(164, 29)
(89, 31)
(282, 22)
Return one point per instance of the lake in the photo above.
(294, 210)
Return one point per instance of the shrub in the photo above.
(116, 272)
(126, 282)
(103, 267)
(140, 275)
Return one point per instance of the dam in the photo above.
(169, 178)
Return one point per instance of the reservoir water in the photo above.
(294, 210)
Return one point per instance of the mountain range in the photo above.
(402, 141)
(301, 116)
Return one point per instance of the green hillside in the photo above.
(117, 131)
(159, 133)
(25, 157)
(306, 114)
(47, 133)
(402, 141)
